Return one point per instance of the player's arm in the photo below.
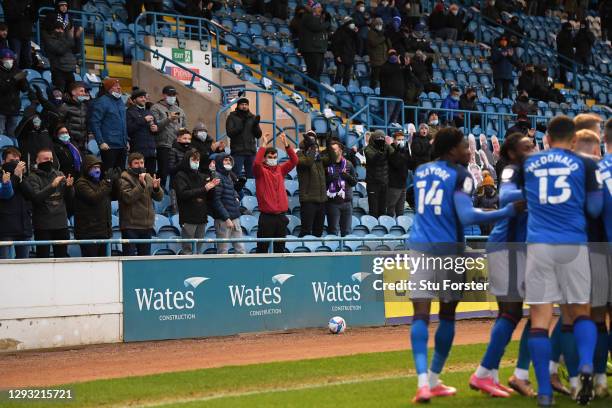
(509, 192)
(594, 189)
(468, 215)
(594, 203)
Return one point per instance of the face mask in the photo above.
(351, 26)
(185, 145)
(170, 100)
(36, 122)
(454, 13)
(212, 167)
(194, 165)
(95, 174)
(401, 144)
(10, 166)
(228, 167)
(202, 135)
(45, 166)
(64, 137)
(116, 95)
(434, 122)
(57, 101)
(82, 98)
(138, 170)
(271, 162)
(8, 64)
(393, 59)
(384, 4)
(361, 9)
(455, 98)
(378, 28)
(379, 142)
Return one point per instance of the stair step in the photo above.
(97, 54)
(116, 70)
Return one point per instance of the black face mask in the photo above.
(138, 170)
(379, 142)
(10, 166)
(185, 145)
(45, 166)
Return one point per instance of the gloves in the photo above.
(256, 120)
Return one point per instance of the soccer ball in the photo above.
(336, 325)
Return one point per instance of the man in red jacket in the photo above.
(271, 194)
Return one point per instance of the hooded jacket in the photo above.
(12, 83)
(377, 162)
(378, 47)
(73, 114)
(108, 121)
(49, 203)
(142, 140)
(399, 164)
(63, 158)
(242, 129)
(421, 149)
(225, 201)
(32, 140)
(167, 128)
(311, 172)
(16, 212)
(270, 182)
(204, 147)
(191, 193)
(344, 44)
(92, 204)
(392, 83)
(136, 201)
(565, 43)
(176, 156)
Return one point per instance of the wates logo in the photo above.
(242, 295)
(330, 292)
(168, 299)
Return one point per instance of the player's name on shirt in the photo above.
(556, 158)
(425, 171)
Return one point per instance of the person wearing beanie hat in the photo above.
(73, 113)
(170, 117)
(108, 124)
(203, 141)
(344, 47)
(313, 40)
(12, 83)
(385, 11)
(58, 45)
(377, 45)
(141, 128)
(243, 129)
(377, 154)
(421, 146)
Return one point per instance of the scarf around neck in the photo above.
(337, 186)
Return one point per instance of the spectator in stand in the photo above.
(523, 125)
(50, 192)
(392, 86)
(486, 198)
(422, 67)
(605, 16)
(32, 136)
(271, 194)
(134, 7)
(73, 113)
(417, 41)
(451, 102)
(455, 21)
(503, 61)
(386, 11)
(433, 125)
(59, 45)
(201, 9)
(66, 155)
(295, 25)
(395, 35)
(439, 26)
(583, 43)
(313, 40)
(92, 207)
(12, 83)
(491, 12)
(4, 37)
(108, 124)
(340, 179)
(179, 148)
(421, 147)
(377, 154)
(61, 15)
(467, 101)
(565, 49)
(514, 31)
(226, 205)
(169, 117)
(142, 129)
(411, 13)
(243, 130)
(20, 16)
(202, 141)
(378, 47)
(343, 46)
(6, 186)
(192, 188)
(311, 177)
(16, 214)
(524, 104)
(400, 163)
(278, 9)
(137, 190)
(362, 22)
(527, 80)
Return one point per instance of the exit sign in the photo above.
(182, 56)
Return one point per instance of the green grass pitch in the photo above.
(362, 380)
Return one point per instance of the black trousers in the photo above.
(343, 73)
(59, 251)
(313, 217)
(502, 88)
(132, 249)
(163, 157)
(93, 250)
(271, 226)
(62, 79)
(112, 158)
(151, 165)
(377, 199)
(314, 64)
(374, 77)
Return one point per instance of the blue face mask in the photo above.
(95, 173)
(82, 98)
(393, 59)
(64, 137)
(455, 98)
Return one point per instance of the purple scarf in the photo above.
(76, 156)
(337, 185)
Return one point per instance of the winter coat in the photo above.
(423, 70)
(57, 15)
(313, 34)
(63, 159)
(392, 81)
(191, 193)
(176, 156)
(225, 201)
(469, 105)
(386, 13)
(19, 16)
(31, 140)
(58, 48)
(311, 174)
(526, 82)
(108, 122)
(10, 89)
(92, 204)
(16, 211)
(421, 149)
(399, 164)
(344, 44)
(49, 203)
(450, 103)
(565, 44)
(204, 147)
(73, 114)
(524, 106)
(492, 13)
(378, 46)
(583, 42)
(167, 129)
(142, 140)
(136, 209)
(350, 181)
(503, 65)
(377, 163)
(242, 128)
(361, 22)
(437, 21)
(270, 182)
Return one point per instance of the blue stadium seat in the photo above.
(162, 206)
(250, 203)
(249, 186)
(292, 187)
(293, 225)
(369, 222)
(405, 221)
(174, 220)
(114, 207)
(5, 141)
(248, 223)
(161, 221)
(387, 222)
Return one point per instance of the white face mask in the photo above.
(271, 162)
(194, 165)
(116, 94)
(378, 28)
(8, 64)
(228, 167)
(202, 135)
(384, 4)
(361, 9)
(36, 122)
(351, 26)
(434, 122)
(170, 100)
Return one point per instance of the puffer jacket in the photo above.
(242, 129)
(311, 173)
(10, 89)
(399, 164)
(136, 202)
(58, 47)
(49, 203)
(191, 193)
(92, 204)
(16, 212)
(167, 128)
(73, 114)
(225, 201)
(142, 140)
(176, 156)
(377, 162)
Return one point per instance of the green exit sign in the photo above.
(182, 55)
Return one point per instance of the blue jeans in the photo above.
(131, 249)
(21, 251)
(339, 217)
(394, 112)
(8, 124)
(246, 161)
